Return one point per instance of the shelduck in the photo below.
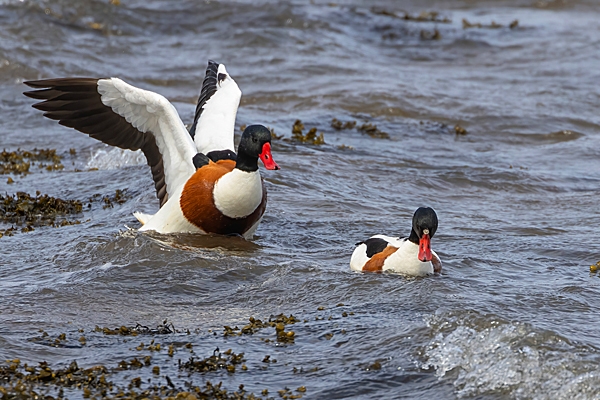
(409, 256)
(202, 184)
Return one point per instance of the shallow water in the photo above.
(513, 316)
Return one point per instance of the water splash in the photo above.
(113, 158)
(510, 359)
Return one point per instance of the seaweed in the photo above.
(29, 212)
(373, 131)
(287, 393)
(24, 209)
(163, 329)
(493, 25)
(460, 130)
(120, 197)
(339, 125)
(311, 136)
(423, 16)
(366, 127)
(20, 161)
(24, 381)
(214, 362)
(119, 380)
(278, 322)
(376, 366)
(274, 136)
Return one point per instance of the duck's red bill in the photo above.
(425, 248)
(267, 158)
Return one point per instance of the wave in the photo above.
(510, 359)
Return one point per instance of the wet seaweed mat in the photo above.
(28, 212)
(19, 380)
(155, 370)
(20, 161)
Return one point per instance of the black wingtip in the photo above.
(30, 94)
(37, 84)
(34, 94)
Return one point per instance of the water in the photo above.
(513, 316)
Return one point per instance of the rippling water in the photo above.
(513, 316)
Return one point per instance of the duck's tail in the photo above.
(143, 218)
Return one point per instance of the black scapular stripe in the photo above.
(217, 155)
(375, 245)
(200, 160)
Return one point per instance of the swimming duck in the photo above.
(209, 191)
(409, 256)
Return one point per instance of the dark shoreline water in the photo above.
(513, 315)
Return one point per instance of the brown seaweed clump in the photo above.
(120, 197)
(279, 322)
(21, 381)
(163, 329)
(460, 130)
(339, 125)
(373, 131)
(20, 161)
(492, 25)
(369, 129)
(274, 136)
(41, 210)
(226, 360)
(424, 16)
(311, 136)
(45, 339)
(427, 16)
(29, 212)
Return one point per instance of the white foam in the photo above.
(113, 157)
(512, 360)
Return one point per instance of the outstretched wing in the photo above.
(217, 106)
(122, 115)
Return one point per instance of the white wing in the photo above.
(150, 112)
(214, 120)
(122, 115)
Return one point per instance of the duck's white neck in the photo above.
(238, 193)
(405, 260)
